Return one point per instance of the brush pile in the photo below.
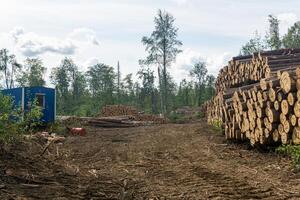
(118, 110)
(258, 98)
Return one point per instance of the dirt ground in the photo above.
(172, 161)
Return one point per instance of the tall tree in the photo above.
(101, 80)
(273, 38)
(9, 67)
(60, 77)
(148, 88)
(292, 38)
(162, 47)
(255, 44)
(210, 81)
(199, 72)
(33, 74)
(77, 79)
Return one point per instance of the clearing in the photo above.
(172, 161)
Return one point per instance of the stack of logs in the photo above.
(243, 70)
(258, 98)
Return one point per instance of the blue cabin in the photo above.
(46, 98)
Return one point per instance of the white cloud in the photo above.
(184, 63)
(16, 32)
(85, 35)
(31, 44)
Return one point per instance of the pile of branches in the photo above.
(118, 110)
(258, 98)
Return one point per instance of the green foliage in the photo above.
(8, 130)
(84, 93)
(273, 38)
(293, 151)
(148, 90)
(217, 124)
(199, 71)
(70, 86)
(13, 122)
(255, 44)
(162, 47)
(9, 68)
(101, 81)
(33, 73)
(292, 38)
(31, 119)
(58, 128)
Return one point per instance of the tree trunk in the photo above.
(160, 90)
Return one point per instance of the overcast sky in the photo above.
(91, 31)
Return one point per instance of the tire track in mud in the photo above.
(221, 186)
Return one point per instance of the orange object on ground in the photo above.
(77, 131)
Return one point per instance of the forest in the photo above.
(152, 89)
(83, 93)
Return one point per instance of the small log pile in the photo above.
(115, 122)
(258, 98)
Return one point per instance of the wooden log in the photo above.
(293, 120)
(275, 135)
(286, 126)
(280, 129)
(272, 95)
(265, 95)
(297, 109)
(291, 98)
(298, 84)
(280, 96)
(272, 114)
(287, 84)
(282, 118)
(285, 107)
(276, 105)
(284, 138)
(266, 134)
(296, 135)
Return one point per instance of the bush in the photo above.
(13, 122)
(293, 151)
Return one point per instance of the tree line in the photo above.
(84, 93)
(272, 39)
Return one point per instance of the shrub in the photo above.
(13, 122)
(8, 130)
(31, 119)
(293, 151)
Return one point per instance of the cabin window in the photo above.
(40, 100)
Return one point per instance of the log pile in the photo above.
(114, 122)
(258, 98)
(244, 70)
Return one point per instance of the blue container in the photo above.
(46, 98)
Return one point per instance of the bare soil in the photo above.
(172, 161)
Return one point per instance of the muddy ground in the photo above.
(173, 161)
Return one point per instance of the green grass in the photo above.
(293, 151)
